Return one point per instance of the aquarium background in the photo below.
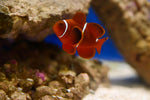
(108, 51)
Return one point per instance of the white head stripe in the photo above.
(65, 29)
(84, 27)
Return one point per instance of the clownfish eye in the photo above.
(59, 28)
(61, 24)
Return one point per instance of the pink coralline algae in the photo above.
(40, 75)
(13, 61)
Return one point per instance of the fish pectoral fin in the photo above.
(86, 52)
(69, 49)
(97, 30)
(80, 18)
(99, 44)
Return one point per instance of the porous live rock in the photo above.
(76, 90)
(67, 76)
(2, 76)
(97, 74)
(82, 79)
(8, 86)
(2, 95)
(43, 90)
(18, 95)
(81, 84)
(26, 84)
(47, 97)
(61, 76)
(128, 24)
(55, 84)
(33, 19)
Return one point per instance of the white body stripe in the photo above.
(84, 27)
(77, 45)
(65, 29)
(97, 40)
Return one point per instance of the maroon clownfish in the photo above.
(77, 34)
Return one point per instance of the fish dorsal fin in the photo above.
(80, 18)
(97, 30)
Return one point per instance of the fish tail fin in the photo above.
(99, 44)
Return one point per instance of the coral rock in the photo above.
(33, 19)
(82, 79)
(62, 76)
(46, 97)
(55, 84)
(8, 87)
(2, 95)
(44, 90)
(96, 72)
(67, 76)
(26, 84)
(17, 95)
(129, 28)
(81, 85)
(2, 76)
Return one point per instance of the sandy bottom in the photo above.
(124, 85)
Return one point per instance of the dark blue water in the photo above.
(108, 52)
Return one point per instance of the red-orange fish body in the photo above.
(75, 34)
(91, 40)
